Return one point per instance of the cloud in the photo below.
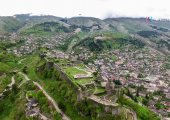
(93, 8)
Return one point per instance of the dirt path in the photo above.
(43, 117)
(23, 81)
(12, 82)
(26, 77)
(64, 116)
(9, 85)
(19, 62)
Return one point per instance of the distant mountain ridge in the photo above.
(135, 27)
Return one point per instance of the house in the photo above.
(33, 113)
(32, 103)
(168, 95)
(109, 87)
(32, 109)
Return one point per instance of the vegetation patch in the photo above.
(143, 113)
(114, 41)
(99, 90)
(114, 58)
(45, 29)
(148, 34)
(4, 67)
(166, 66)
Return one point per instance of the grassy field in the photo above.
(4, 67)
(84, 81)
(30, 62)
(99, 90)
(71, 71)
(4, 81)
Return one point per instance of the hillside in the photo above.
(131, 26)
(136, 27)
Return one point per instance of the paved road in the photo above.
(64, 116)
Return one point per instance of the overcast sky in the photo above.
(92, 8)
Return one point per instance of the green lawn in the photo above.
(71, 71)
(84, 81)
(99, 90)
(4, 67)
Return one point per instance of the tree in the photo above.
(61, 106)
(2, 107)
(95, 74)
(130, 94)
(127, 76)
(14, 89)
(24, 70)
(42, 55)
(158, 105)
(137, 92)
(117, 82)
(145, 101)
(140, 75)
(147, 96)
